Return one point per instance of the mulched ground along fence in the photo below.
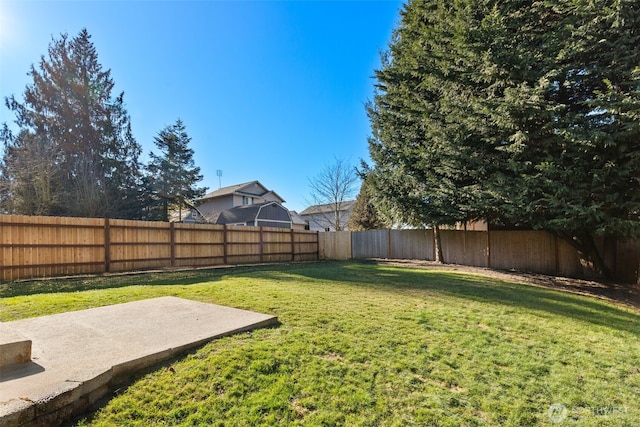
(32, 247)
(529, 251)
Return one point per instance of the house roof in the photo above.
(239, 189)
(231, 189)
(239, 214)
(246, 213)
(327, 208)
(296, 218)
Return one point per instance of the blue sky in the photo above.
(268, 90)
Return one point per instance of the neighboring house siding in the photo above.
(321, 223)
(322, 217)
(253, 189)
(318, 223)
(239, 199)
(216, 205)
(298, 222)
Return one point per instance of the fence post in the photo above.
(224, 243)
(107, 246)
(610, 254)
(261, 246)
(389, 244)
(351, 244)
(556, 253)
(488, 249)
(293, 245)
(433, 243)
(317, 246)
(172, 242)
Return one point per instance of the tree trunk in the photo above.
(438, 244)
(165, 210)
(583, 242)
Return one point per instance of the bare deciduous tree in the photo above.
(29, 175)
(331, 189)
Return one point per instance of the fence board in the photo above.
(568, 262)
(533, 251)
(335, 245)
(465, 247)
(277, 245)
(628, 261)
(198, 245)
(370, 244)
(52, 246)
(412, 244)
(139, 245)
(305, 246)
(530, 251)
(46, 246)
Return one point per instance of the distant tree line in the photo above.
(74, 153)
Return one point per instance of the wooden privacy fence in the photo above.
(530, 251)
(33, 247)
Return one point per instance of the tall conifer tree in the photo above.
(365, 215)
(70, 113)
(522, 113)
(173, 173)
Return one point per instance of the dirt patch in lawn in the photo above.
(627, 295)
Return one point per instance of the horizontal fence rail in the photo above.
(529, 251)
(32, 247)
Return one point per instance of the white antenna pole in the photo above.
(219, 173)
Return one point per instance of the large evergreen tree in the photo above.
(86, 154)
(173, 173)
(522, 113)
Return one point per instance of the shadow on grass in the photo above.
(86, 283)
(386, 279)
(474, 287)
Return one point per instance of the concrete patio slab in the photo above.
(14, 348)
(77, 357)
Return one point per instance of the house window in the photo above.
(247, 200)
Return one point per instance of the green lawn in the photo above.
(363, 344)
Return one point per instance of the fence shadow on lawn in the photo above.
(148, 278)
(77, 284)
(474, 287)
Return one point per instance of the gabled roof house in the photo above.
(325, 217)
(212, 204)
(249, 203)
(248, 193)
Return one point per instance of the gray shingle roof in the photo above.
(239, 214)
(249, 213)
(327, 208)
(228, 190)
(237, 189)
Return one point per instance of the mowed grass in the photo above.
(363, 344)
